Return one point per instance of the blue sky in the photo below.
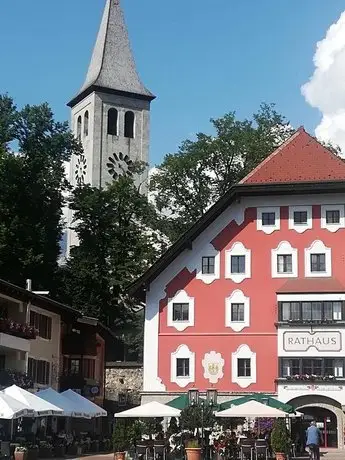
(201, 58)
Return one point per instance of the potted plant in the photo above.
(280, 439)
(193, 450)
(21, 453)
(120, 440)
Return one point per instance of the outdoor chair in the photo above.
(142, 451)
(261, 449)
(159, 450)
(247, 449)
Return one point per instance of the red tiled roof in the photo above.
(311, 285)
(300, 159)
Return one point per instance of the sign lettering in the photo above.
(321, 341)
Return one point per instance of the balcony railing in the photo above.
(10, 377)
(24, 331)
(305, 378)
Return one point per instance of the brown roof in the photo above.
(311, 285)
(300, 159)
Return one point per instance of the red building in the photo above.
(251, 298)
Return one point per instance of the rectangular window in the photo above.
(284, 263)
(237, 312)
(180, 312)
(290, 367)
(238, 264)
(88, 370)
(75, 366)
(268, 218)
(208, 265)
(243, 367)
(39, 371)
(311, 311)
(182, 367)
(318, 262)
(42, 323)
(333, 217)
(300, 217)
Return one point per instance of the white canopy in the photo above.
(12, 408)
(254, 409)
(151, 409)
(40, 406)
(84, 404)
(70, 409)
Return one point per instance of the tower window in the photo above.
(112, 121)
(129, 124)
(86, 123)
(79, 127)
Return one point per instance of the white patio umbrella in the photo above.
(254, 409)
(86, 406)
(70, 409)
(11, 408)
(151, 409)
(38, 405)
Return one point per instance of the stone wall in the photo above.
(124, 382)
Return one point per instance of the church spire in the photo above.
(112, 67)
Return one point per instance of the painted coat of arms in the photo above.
(213, 366)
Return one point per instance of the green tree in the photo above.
(32, 184)
(116, 244)
(196, 416)
(188, 182)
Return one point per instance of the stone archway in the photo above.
(323, 402)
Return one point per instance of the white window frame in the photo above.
(237, 296)
(268, 229)
(332, 207)
(318, 247)
(284, 248)
(209, 251)
(300, 228)
(243, 352)
(181, 297)
(185, 353)
(238, 249)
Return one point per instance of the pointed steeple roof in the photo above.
(299, 159)
(112, 67)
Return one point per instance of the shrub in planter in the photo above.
(193, 449)
(280, 439)
(20, 453)
(120, 440)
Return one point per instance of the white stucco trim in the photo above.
(243, 352)
(237, 249)
(181, 297)
(310, 297)
(300, 228)
(284, 248)
(183, 352)
(209, 251)
(237, 296)
(268, 229)
(213, 364)
(332, 207)
(317, 247)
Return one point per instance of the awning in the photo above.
(264, 399)
(40, 406)
(70, 409)
(254, 409)
(151, 409)
(11, 408)
(85, 405)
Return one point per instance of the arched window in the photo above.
(86, 123)
(129, 124)
(79, 127)
(112, 121)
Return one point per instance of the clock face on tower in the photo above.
(120, 165)
(80, 170)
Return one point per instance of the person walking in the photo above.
(314, 439)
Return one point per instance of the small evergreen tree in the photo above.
(173, 426)
(120, 436)
(280, 438)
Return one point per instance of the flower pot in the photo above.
(119, 455)
(20, 455)
(280, 456)
(193, 453)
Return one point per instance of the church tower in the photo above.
(111, 112)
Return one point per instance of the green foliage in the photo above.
(135, 431)
(32, 183)
(280, 438)
(195, 416)
(192, 444)
(121, 440)
(188, 182)
(152, 426)
(173, 426)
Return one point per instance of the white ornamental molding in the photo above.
(213, 366)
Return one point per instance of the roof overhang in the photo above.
(139, 287)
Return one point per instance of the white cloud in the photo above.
(325, 90)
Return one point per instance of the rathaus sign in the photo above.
(321, 341)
